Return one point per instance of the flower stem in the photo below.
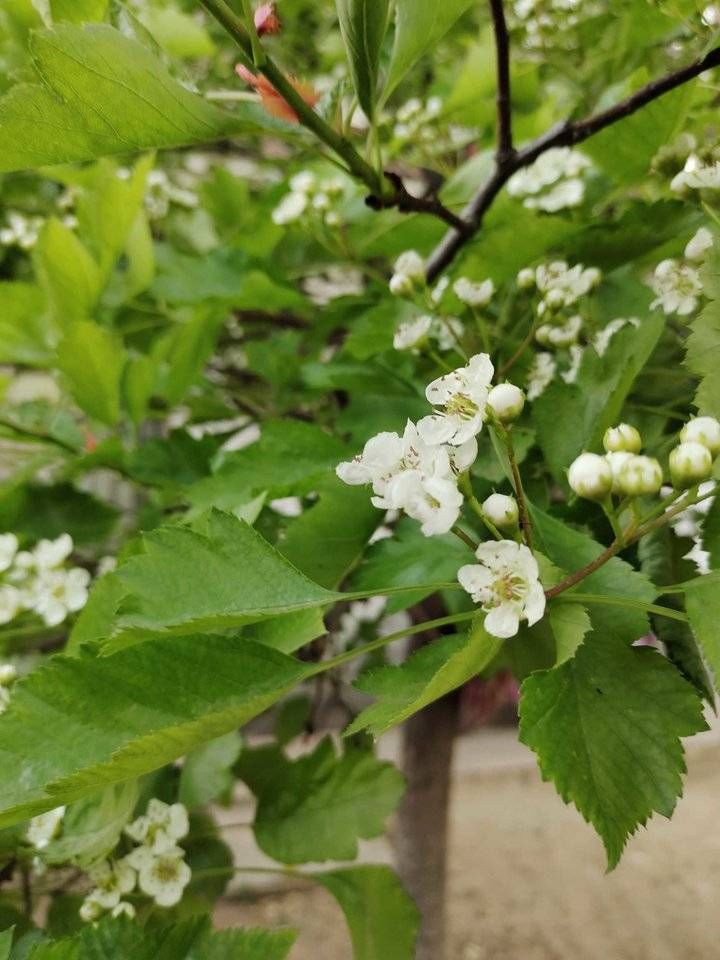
(465, 485)
(525, 525)
(627, 602)
(461, 535)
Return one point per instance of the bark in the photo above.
(422, 835)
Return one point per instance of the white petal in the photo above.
(503, 621)
(535, 604)
(436, 429)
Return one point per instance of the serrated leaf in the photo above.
(702, 602)
(570, 622)
(67, 272)
(102, 93)
(92, 359)
(112, 719)
(429, 674)
(220, 574)
(318, 807)
(382, 918)
(702, 356)
(606, 727)
(363, 24)
(419, 26)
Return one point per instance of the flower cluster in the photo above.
(559, 287)
(308, 195)
(676, 286)
(418, 471)
(37, 580)
(334, 282)
(414, 334)
(156, 866)
(554, 182)
(20, 230)
(550, 23)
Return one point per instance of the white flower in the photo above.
(640, 476)
(460, 398)
(381, 459)
(292, 206)
(123, 909)
(696, 175)
(561, 336)
(526, 279)
(506, 584)
(690, 463)
(570, 374)
(623, 437)
(411, 333)
(567, 194)
(287, 506)
(59, 592)
(562, 285)
(541, 374)
(11, 602)
(590, 476)
(45, 827)
(506, 401)
(502, 511)
(162, 876)
(439, 290)
(603, 337)
(8, 549)
(303, 182)
(552, 166)
(334, 282)
(447, 331)
(474, 294)
(49, 554)
(90, 909)
(160, 827)
(434, 501)
(112, 881)
(409, 272)
(699, 244)
(676, 287)
(705, 430)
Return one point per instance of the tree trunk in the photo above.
(422, 836)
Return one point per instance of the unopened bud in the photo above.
(526, 279)
(401, 285)
(640, 476)
(506, 401)
(690, 463)
(617, 460)
(590, 476)
(704, 430)
(8, 674)
(501, 511)
(623, 438)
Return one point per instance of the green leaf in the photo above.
(179, 34)
(115, 718)
(569, 622)
(102, 93)
(289, 631)
(187, 940)
(27, 335)
(595, 401)
(703, 351)
(571, 550)
(382, 918)
(6, 939)
(702, 602)
(220, 574)
(93, 359)
(41, 511)
(207, 771)
(78, 11)
(606, 727)
(318, 807)
(67, 273)
(363, 24)
(420, 25)
(429, 674)
(92, 826)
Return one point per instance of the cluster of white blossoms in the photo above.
(156, 866)
(697, 175)
(676, 283)
(310, 196)
(414, 334)
(554, 182)
(624, 472)
(559, 287)
(408, 274)
(37, 580)
(20, 230)
(419, 122)
(551, 22)
(333, 282)
(418, 471)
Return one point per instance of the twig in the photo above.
(504, 105)
(407, 203)
(565, 134)
(525, 524)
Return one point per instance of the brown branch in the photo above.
(504, 106)
(407, 203)
(565, 134)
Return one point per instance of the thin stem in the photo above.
(504, 106)
(505, 436)
(509, 364)
(380, 642)
(466, 538)
(564, 134)
(465, 485)
(627, 602)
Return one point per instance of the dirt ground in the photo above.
(528, 875)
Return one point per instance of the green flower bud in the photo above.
(704, 430)
(506, 401)
(590, 476)
(690, 463)
(623, 438)
(501, 511)
(640, 476)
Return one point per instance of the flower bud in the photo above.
(690, 463)
(590, 476)
(617, 460)
(526, 279)
(640, 476)
(554, 299)
(411, 265)
(401, 285)
(506, 401)
(704, 430)
(8, 673)
(501, 511)
(624, 438)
